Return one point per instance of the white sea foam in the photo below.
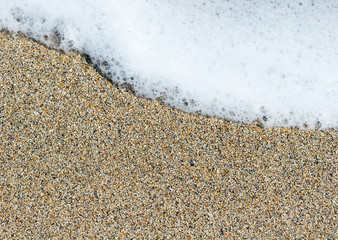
(237, 59)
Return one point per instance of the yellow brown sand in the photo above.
(80, 158)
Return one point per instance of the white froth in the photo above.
(237, 59)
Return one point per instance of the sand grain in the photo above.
(81, 158)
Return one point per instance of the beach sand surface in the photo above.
(82, 158)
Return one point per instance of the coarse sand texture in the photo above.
(82, 158)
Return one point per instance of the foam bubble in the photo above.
(240, 59)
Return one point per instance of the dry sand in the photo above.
(80, 158)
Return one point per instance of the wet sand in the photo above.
(82, 158)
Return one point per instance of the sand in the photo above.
(82, 158)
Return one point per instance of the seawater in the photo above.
(235, 59)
